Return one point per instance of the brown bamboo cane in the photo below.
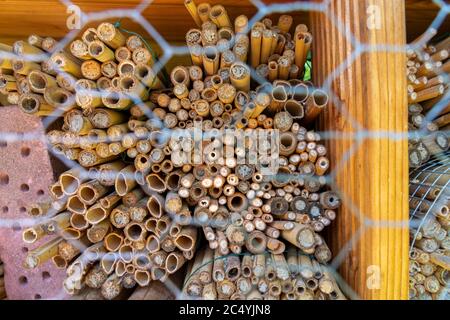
(35, 40)
(79, 49)
(211, 59)
(284, 66)
(147, 76)
(122, 53)
(89, 35)
(109, 34)
(124, 67)
(240, 51)
(77, 123)
(116, 99)
(67, 63)
(187, 239)
(49, 44)
(134, 42)
(133, 87)
(24, 67)
(89, 158)
(43, 253)
(91, 191)
(300, 50)
(8, 83)
(267, 38)
(6, 64)
(196, 52)
(285, 23)
(241, 24)
(59, 98)
(443, 120)
(317, 101)
(98, 50)
(13, 98)
(256, 242)
(427, 94)
(255, 52)
(203, 10)
(35, 104)
(240, 76)
(273, 71)
(301, 236)
(39, 81)
(192, 9)
(142, 55)
(218, 14)
(24, 48)
(108, 69)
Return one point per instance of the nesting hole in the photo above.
(23, 280)
(46, 275)
(4, 179)
(25, 151)
(24, 187)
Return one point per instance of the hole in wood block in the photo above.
(24, 187)
(23, 209)
(40, 192)
(3, 144)
(24, 249)
(5, 209)
(37, 296)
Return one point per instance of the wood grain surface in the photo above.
(374, 178)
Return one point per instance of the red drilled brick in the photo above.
(31, 167)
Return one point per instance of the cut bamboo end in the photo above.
(219, 16)
(98, 50)
(109, 34)
(203, 10)
(34, 104)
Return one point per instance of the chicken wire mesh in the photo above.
(437, 166)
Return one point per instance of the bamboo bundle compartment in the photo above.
(134, 218)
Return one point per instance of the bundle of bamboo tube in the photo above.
(2, 282)
(286, 276)
(90, 73)
(130, 214)
(429, 122)
(429, 107)
(430, 232)
(269, 49)
(111, 234)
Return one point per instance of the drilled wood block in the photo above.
(25, 174)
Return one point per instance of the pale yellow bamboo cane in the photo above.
(192, 8)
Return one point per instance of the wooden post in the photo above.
(375, 177)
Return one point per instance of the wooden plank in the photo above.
(374, 179)
(169, 17)
(48, 17)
